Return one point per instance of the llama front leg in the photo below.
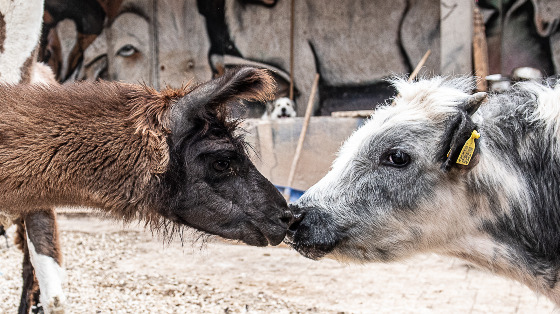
(46, 258)
(30, 288)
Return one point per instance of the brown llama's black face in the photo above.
(212, 184)
(222, 193)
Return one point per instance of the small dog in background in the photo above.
(282, 107)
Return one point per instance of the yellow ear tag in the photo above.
(468, 149)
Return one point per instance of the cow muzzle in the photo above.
(311, 232)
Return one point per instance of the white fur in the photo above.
(23, 27)
(497, 171)
(427, 101)
(548, 109)
(434, 98)
(420, 102)
(42, 74)
(50, 276)
(453, 220)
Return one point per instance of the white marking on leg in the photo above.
(50, 276)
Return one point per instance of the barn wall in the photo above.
(353, 44)
(275, 145)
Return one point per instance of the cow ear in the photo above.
(209, 99)
(458, 145)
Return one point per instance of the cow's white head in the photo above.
(395, 188)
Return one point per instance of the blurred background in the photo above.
(353, 44)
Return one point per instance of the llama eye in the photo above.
(220, 165)
(127, 51)
(396, 158)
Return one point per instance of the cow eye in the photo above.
(220, 165)
(127, 51)
(396, 158)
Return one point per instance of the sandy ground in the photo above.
(112, 269)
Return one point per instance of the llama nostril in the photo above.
(296, 221)
(287, 217)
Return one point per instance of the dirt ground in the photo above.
(113, 269)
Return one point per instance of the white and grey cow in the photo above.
(396, 188)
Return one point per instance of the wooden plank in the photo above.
(352, 114)
(480, 52)
(299, 147)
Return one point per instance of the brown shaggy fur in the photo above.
(43, 222)
(83, 144)
(107, 145)
(150, 113)
(98, 144)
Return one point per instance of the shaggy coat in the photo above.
(90, 144)
(396, 188)
(20, 27)
(169, 158)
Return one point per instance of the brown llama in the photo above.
(20, 28)
(171, 158)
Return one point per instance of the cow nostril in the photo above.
(287, 217)
(296, 221)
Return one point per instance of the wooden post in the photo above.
(416, 71)
(419, 66)
(480, 51)
(292, 56)
(293, 168)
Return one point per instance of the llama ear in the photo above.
(210, 98)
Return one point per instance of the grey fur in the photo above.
(502, 211)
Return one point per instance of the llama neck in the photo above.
(79, 145)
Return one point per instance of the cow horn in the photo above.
(474, 101)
